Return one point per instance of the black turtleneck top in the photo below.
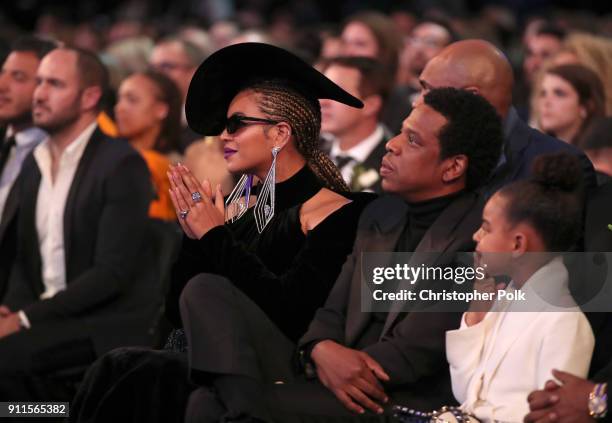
(421, 216)
(287, 273)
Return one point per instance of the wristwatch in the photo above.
(598, 401)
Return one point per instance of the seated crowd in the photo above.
(140, 288)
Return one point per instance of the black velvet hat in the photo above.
(224, 73)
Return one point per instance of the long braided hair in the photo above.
(280, 101)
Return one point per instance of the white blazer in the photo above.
(496, 363)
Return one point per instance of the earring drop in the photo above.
(264, 207)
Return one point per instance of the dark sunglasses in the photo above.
(236, 122)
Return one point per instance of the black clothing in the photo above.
(409, 346)
(111, 295)
(286, 273)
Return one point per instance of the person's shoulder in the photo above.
(320, 206)
(544, 143)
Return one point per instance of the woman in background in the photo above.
(148, 115)
(569, 97)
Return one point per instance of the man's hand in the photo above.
(353, 376)
(568, 402)
(9, 324)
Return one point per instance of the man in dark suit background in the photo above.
(478, 66)
(357, 136)
(354, 360)
(17, 84)
(80, 283)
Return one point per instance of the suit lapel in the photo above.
(386, 230)
(29, 245)
(438, 239)
(78, 180)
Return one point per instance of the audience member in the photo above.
(570, 97)
(148, 114)
(525, 226)
(592, 51)
(425, 41)
(17, 84)
(277, 259)
(178, 59)
(448, 146)
(82, 280)
(597, 144)
(570, 398)
(372, 34)
(357, 138)
(542, 45)
(478, 66)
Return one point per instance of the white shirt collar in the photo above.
(73, 152)
(361, 151)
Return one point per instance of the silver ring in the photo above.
(196, 197)
(183, 214)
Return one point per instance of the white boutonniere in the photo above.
(363, 178)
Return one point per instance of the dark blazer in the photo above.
(598, 238)
(411, 346)
(522, 145)
(8, 236)
(109, 265)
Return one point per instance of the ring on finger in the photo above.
(196, 196)
(183, 214)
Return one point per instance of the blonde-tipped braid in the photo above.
(281, 102)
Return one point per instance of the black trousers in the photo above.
(244, 364)
(42, 363)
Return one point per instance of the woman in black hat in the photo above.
(275, 248)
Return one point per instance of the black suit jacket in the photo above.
(8, 236)
(598, 238)
(110, 270)
(522, 145)
(411, 346)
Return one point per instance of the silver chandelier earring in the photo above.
(237, 203)
(264, 206)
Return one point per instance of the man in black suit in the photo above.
(357, 362)
(357, 136)
(478, 66)
(80, 283)
(17, 84)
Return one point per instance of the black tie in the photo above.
(343, 160)
(5, 151)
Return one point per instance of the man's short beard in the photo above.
(58, 126)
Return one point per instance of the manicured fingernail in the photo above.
(554, 398)
(361, 411)
(386, 399)
(380, 411)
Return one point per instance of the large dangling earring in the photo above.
(237, 203)
(264, 207)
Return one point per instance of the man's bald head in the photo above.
(475, 65)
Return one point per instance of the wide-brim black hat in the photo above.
(219, 78)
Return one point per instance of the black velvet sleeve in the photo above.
(289, 299)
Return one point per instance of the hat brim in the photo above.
(218, 79)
